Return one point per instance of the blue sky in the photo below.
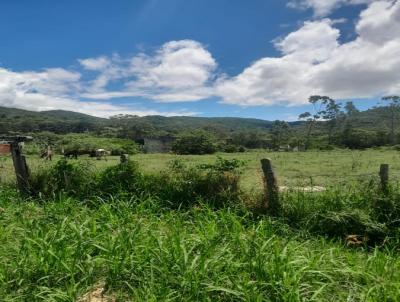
(258, 58)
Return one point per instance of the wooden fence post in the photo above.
(124, 158)
(384, 175)
(271, 201)
(20, 167)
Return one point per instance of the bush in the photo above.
(196, 142)
(180, 186)
(122, 178)
(66, 177)
(230, 149)
(242, 149)
(85, 143)
(177, 186)
(396, 147)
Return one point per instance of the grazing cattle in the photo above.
(102, 153)
(99, 153)
(71, 154)
(140, 141)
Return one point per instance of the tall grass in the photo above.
(178, 185)
(185, 234)
(358, 209)
(57, 250)
(338, 212)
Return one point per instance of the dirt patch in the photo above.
(314, 189)
(97, 294)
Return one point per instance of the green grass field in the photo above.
(139, 249)
(320, 168)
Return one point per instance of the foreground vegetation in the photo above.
(188, 231)
(140, 250)
(192, 228)
(319, 168)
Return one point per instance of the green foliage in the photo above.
(61, 250)
(280, 134)
(223, 165)
(160, 236)
(251, 139)
(182, 186)
(230, 148)
(361, 139)
(177, 186)
(327, 125)
(195, 142)
(88, 143)
(65, 177)
(123, 178)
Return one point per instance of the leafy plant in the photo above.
(195, 142)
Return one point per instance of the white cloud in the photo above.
(313, 62)
(283, 80)
(99, 63)
(55, 89)
(323, 8)
(380, 23)
(178, 71)
(178, 65)
(268, 81)
(313, 42)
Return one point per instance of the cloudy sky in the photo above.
(253, 58)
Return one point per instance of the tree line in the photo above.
(329, 124)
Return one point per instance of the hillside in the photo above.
(374, 119)
(60, 121)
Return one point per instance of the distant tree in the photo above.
(394, 107)
(132, 127)
(331, 114)
(195, 142)
(251, 139)
(351, 109)
(318, 102)
(280, 133)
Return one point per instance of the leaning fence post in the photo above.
(21, 168)
(384, 175)
(271, 201)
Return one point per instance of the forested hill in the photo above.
(59, 121)
(377, 118)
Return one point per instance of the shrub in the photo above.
(224, 165)
(195, 142)
(124, 177)
(181, 186)
(396, 147)
(242, 149)
(66, 177)
(87, 143)
(230, 148)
